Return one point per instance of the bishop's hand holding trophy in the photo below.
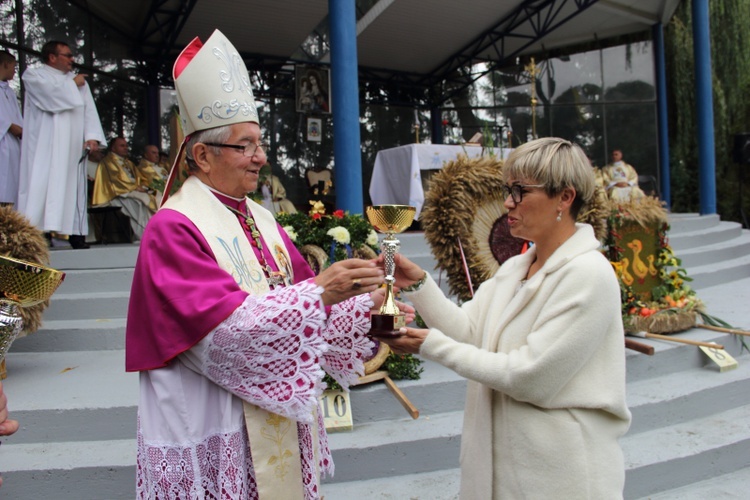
(389, 219)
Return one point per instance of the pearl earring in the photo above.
(559, 216)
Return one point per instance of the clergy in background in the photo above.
(61, 124)
(148, 168)
(621, 180)
(273, 193)
(118, 183)
(11, 129)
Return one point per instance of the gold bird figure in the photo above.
(639, 267)
(651, 268)
(627, 278)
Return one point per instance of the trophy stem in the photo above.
(11, 324)
(390, 247)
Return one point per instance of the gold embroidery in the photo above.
(280, 426)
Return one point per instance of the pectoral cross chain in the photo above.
(274, 278)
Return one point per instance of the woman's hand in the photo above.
(379, 295)
(409, 342)
(407, 273)
(347, 278)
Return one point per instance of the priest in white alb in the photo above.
(11, 130)
(61, 122)
(231, 344)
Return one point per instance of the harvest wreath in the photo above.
(656, 296)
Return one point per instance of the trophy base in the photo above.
(386, 325)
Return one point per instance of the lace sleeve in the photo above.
(346, 334)
(268, 351)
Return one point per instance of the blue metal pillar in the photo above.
(661, 115)
(345, 101)
(704, 108)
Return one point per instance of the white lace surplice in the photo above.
(271, 353)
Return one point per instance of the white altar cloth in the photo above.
(397, 178)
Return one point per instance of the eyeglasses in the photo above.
(516, 191)
(249, 150)
(69, 55)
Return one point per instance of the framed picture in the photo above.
(314, 129)
(313, 89)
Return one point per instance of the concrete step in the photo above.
(437, 485)
(677, 397)
(718, 252)
(732, 486)
(96, 257)
(74, 335)
(718, 273)
(685, 223)
(63, 397)
(670, 457)
(720, 233)
(91, 305)
(43, 386)
(73, 470)
(100, 280)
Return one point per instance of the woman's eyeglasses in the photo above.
(516, 191)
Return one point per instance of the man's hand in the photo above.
(80, 79)
(347, 278)
(16, 130)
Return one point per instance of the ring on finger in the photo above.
(356, 284)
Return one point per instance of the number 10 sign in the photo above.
(336, 409)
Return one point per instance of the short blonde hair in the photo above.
(555, 163)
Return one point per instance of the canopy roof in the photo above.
(425, 42)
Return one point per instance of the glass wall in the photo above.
(114, 75)
(602, 99)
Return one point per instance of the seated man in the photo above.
(118, 183)
(273, 194)
(621, 180)
(149, 169)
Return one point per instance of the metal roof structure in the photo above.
(414, 43)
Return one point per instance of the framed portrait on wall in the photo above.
(314, 129)
(313, 85)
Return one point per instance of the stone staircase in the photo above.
(67, 386)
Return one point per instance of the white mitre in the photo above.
(213, 86)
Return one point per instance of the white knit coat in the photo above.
(545, 361)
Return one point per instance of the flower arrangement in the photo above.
(341, 235)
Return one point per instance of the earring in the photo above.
(559, 216)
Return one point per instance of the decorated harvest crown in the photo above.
(213, 89)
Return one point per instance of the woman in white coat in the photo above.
(541, 344)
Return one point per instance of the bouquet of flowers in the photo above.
(340, 235)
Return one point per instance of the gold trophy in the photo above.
(389, 219)
(22, 284)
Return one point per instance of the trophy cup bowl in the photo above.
(389, 219)
(22, 284)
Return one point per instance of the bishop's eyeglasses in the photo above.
(250, 149)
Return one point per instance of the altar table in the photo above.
(397, 177)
